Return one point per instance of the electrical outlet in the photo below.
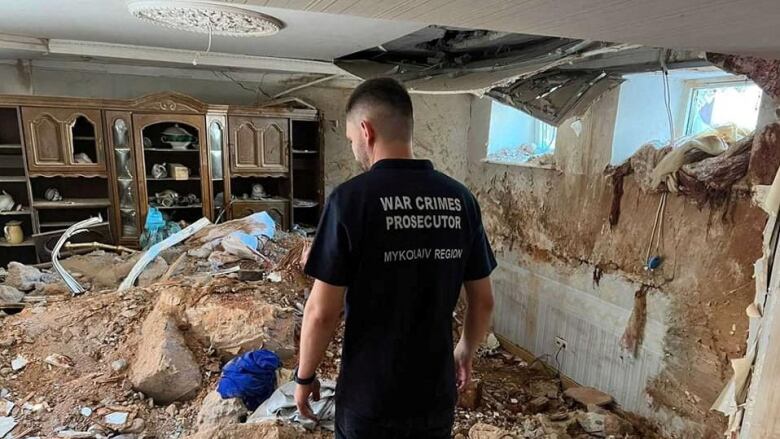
(560, 343)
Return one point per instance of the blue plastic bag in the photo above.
(251, 377)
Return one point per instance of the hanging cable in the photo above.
(208, 49)
(656, 234)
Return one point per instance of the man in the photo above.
(401, 239)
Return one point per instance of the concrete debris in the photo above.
(86, 412)
(18, 363)
(73, 434)
(59, 360)
(538, 404)
(265, 430)
(6, 425)
(593, 423)
(588, 396)
(6, 407)
(486, 431)
(116, 418)
(10, 295)
(137, 426)
(26, 278)
(470, 397)
(164, 367)
(234, 327)
(216, 411)
(544, 388)
(119, 365)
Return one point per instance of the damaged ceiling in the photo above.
(551, 78)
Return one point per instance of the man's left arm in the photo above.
(320, 320)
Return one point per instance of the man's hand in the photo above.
(464, 357)
(302, 394)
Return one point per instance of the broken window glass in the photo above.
(515, 137)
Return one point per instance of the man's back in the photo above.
(403, 238)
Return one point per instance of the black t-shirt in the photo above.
(402, 238)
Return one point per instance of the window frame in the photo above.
(536, 131)
(691, 85)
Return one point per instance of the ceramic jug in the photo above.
(13, 232)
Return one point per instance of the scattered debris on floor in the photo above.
(146, 361)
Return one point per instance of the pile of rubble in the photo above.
(145, 361)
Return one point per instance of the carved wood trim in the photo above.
(169, 102)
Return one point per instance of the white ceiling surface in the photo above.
(307, 35)
(730, 26)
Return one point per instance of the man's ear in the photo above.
(368, 132)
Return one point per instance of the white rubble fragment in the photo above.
(86, 412)
(5, 407)
(18, 363)
(6, 425)
(73, 434)
(119, 365)
(116, 418)
(275, 277)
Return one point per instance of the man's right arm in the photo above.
(479, 298)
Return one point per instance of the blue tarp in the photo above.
(251, 377)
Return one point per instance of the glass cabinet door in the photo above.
(216, 137)
(126, 178)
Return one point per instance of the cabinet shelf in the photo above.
(13, 179)
(191, 206)
(305, 151)
(72, 203)
(63, 224)
(170, 150)
(83, 137)
(150, 178)
(26, 243)
(24, 211)
(10, 147)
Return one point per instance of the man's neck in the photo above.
(395, 152)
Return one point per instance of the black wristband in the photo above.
(303, 381)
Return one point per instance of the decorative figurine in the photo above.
(82, 157)
(258, 192)
(159, 170)
(6, 202)
(52, 194)
(166, 198)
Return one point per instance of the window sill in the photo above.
(520, 165)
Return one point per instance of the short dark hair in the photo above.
(389, 95)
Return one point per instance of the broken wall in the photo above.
(564, 273)
(441, 121)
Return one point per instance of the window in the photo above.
(699, 99)
(714, 104)
(515, 137)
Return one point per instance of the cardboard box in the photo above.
(177, 171)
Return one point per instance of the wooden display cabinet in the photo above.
(99, 154)
(260, 145)
(148, 128)
(64, 141)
